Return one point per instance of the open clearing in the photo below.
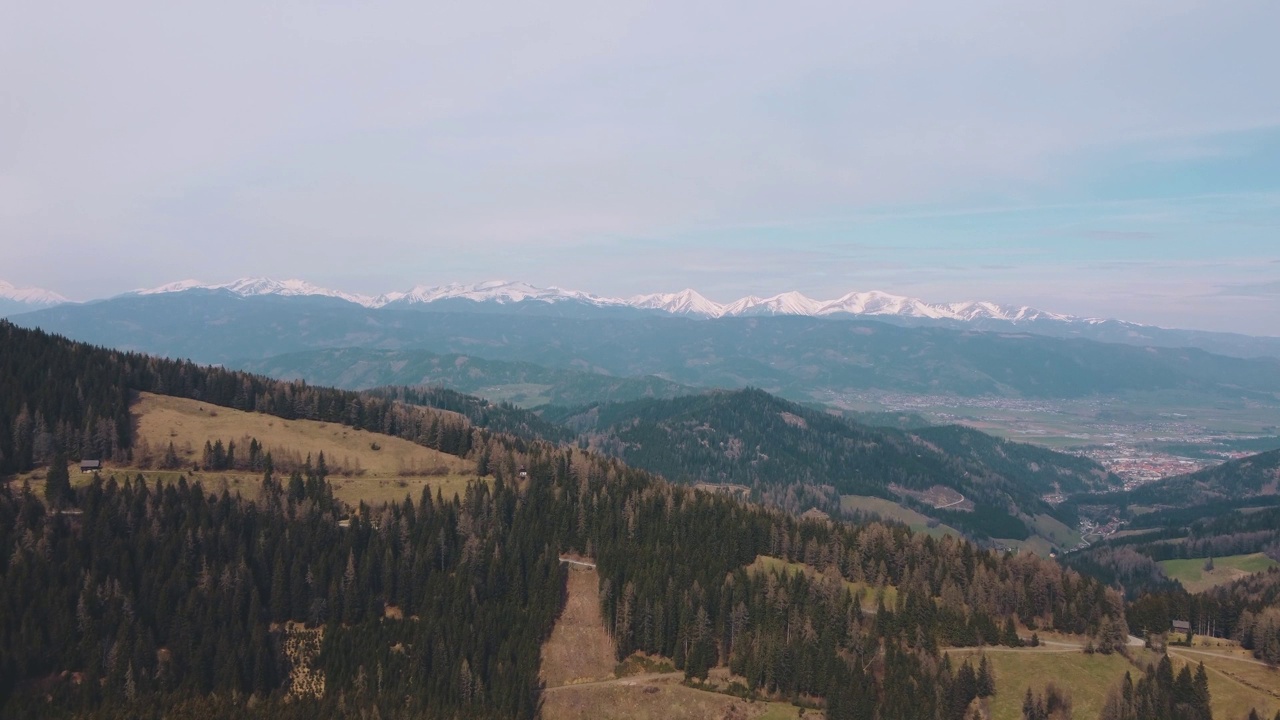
(1236, 682)
(891, 510)
(1086, 677)
(1235, 685)
(1195, 578)
(398, 468)
(579, 650)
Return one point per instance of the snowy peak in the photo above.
(33, 297)
(880, 303)
(992, 311)
(497, 291)
(173, 287)
(789, 303)
(248, 287)
(252, 286)
(685, 302)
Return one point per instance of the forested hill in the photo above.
(56, 394)
(790, 453)
(129, 598)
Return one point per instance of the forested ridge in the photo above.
(797, 457)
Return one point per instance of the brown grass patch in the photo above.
(1235, 687)
(396, 469)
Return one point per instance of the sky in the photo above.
(1116, 159)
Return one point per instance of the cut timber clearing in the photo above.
(579, 668)
(301, 647)
(579, 650)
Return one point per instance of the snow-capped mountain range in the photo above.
(30, 296)
(686, 302)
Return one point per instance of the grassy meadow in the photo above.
(364, 466)
(1191, 573)
(891, 510)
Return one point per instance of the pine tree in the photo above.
(1010, 635)
(986, 681)
(57, 484)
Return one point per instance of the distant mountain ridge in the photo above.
(800, 357)
(502, 297)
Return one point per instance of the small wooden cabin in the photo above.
(87, 466)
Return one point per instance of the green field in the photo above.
(890, 510)
(1195, 578)
(1087, 678)
(1047, 533)
(1235, 685)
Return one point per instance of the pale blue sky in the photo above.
(1097, 158)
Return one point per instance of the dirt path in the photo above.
(1042, 650)
(1251, 661)
(629, 680)
(950, 504)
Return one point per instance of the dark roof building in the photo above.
(90, 465)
